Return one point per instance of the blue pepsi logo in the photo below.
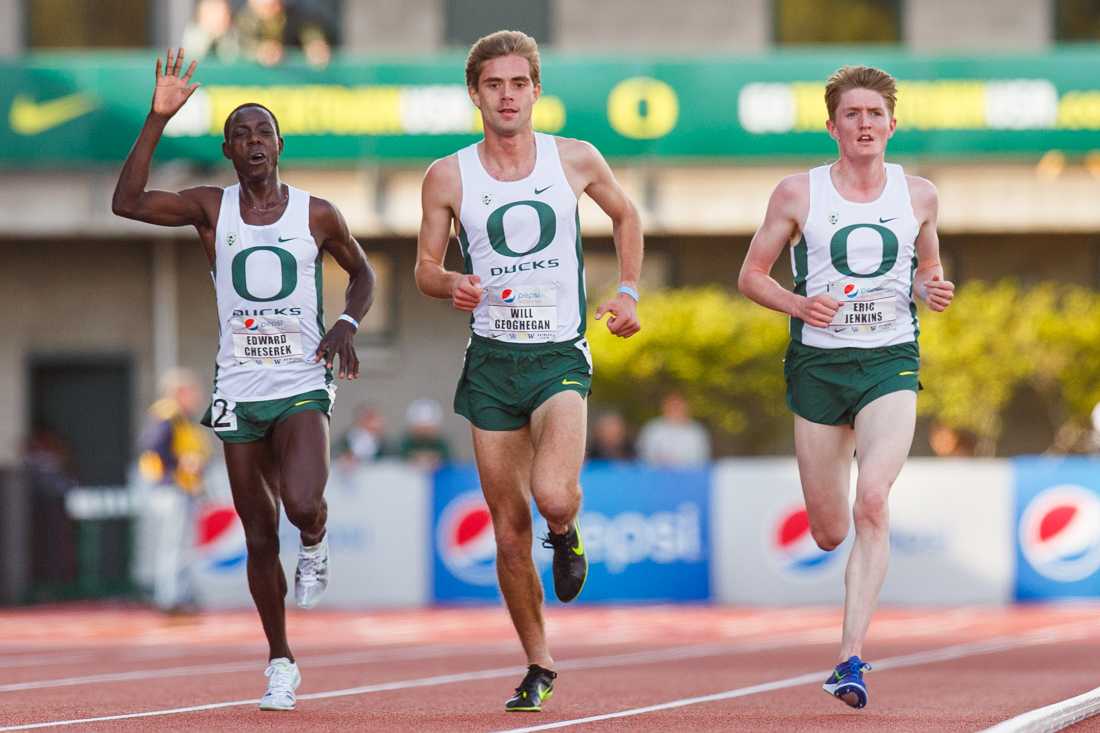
(465, 541)
(793, 545)
(1059, 533)
(221, 539)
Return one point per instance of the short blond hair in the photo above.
(860, 77)
(501, 43)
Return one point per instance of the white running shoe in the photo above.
(283, 679)
(311, 577)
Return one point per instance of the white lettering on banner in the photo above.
(523, 312)
(625, 539)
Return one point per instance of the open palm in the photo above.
(172, 89)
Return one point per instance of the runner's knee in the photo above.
(262, 540)
(561, 506)
(304, 513)
(871, 511)
(828, 536)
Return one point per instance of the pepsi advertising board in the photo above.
(940, 551)
(377, 521)
(646, 533)
(1057, 528)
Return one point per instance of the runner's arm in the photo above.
(626, 231)
(436, 194)
(131, 200)
(338, 242)
(626, 223)
(928, 281)
(786, 210)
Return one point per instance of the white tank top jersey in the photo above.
(268, 284)
(522, 238)
(862, 255)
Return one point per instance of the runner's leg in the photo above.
(255, 496)
(558, 430)
(884, 434)
(301, 443)
(824, 455)
(504, 465)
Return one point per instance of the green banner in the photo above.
(72, 110)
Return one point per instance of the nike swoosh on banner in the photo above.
(28, 117)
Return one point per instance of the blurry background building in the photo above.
(99, 306)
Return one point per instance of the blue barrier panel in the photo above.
(646, 533)
(1057, 528)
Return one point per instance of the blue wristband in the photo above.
(626, 289)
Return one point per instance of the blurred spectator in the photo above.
(174, 453)
(211, 32)
(947, 442)
(609, 439)
(423, 443)
(365, 440)
(47, 458)
(674, 439)
(268, 27)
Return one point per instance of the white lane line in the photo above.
(813, 636)
(956, 651)
(1052, 718)
(818, 636)
(328, 660)
(35, 660)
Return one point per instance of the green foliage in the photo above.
(725, 355)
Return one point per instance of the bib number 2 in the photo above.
(223, 417)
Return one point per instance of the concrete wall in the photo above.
(703, 27)
(11, 27)
(376, 27)
(70, 297)
(992, 25)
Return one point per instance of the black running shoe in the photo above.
(570, 562)
(536, 688)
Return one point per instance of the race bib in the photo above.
(222, 415)
(267, 339)
(862, 309)
(524, 312)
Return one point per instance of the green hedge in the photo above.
(725, 355)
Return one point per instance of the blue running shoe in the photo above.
(846, 682)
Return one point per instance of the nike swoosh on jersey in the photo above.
(883, 221)
(286, 239)
(540, 190)
(568, 382)
(906, 374)
(28, 117)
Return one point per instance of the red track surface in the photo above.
(450, 670)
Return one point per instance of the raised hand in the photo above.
(172, 90)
